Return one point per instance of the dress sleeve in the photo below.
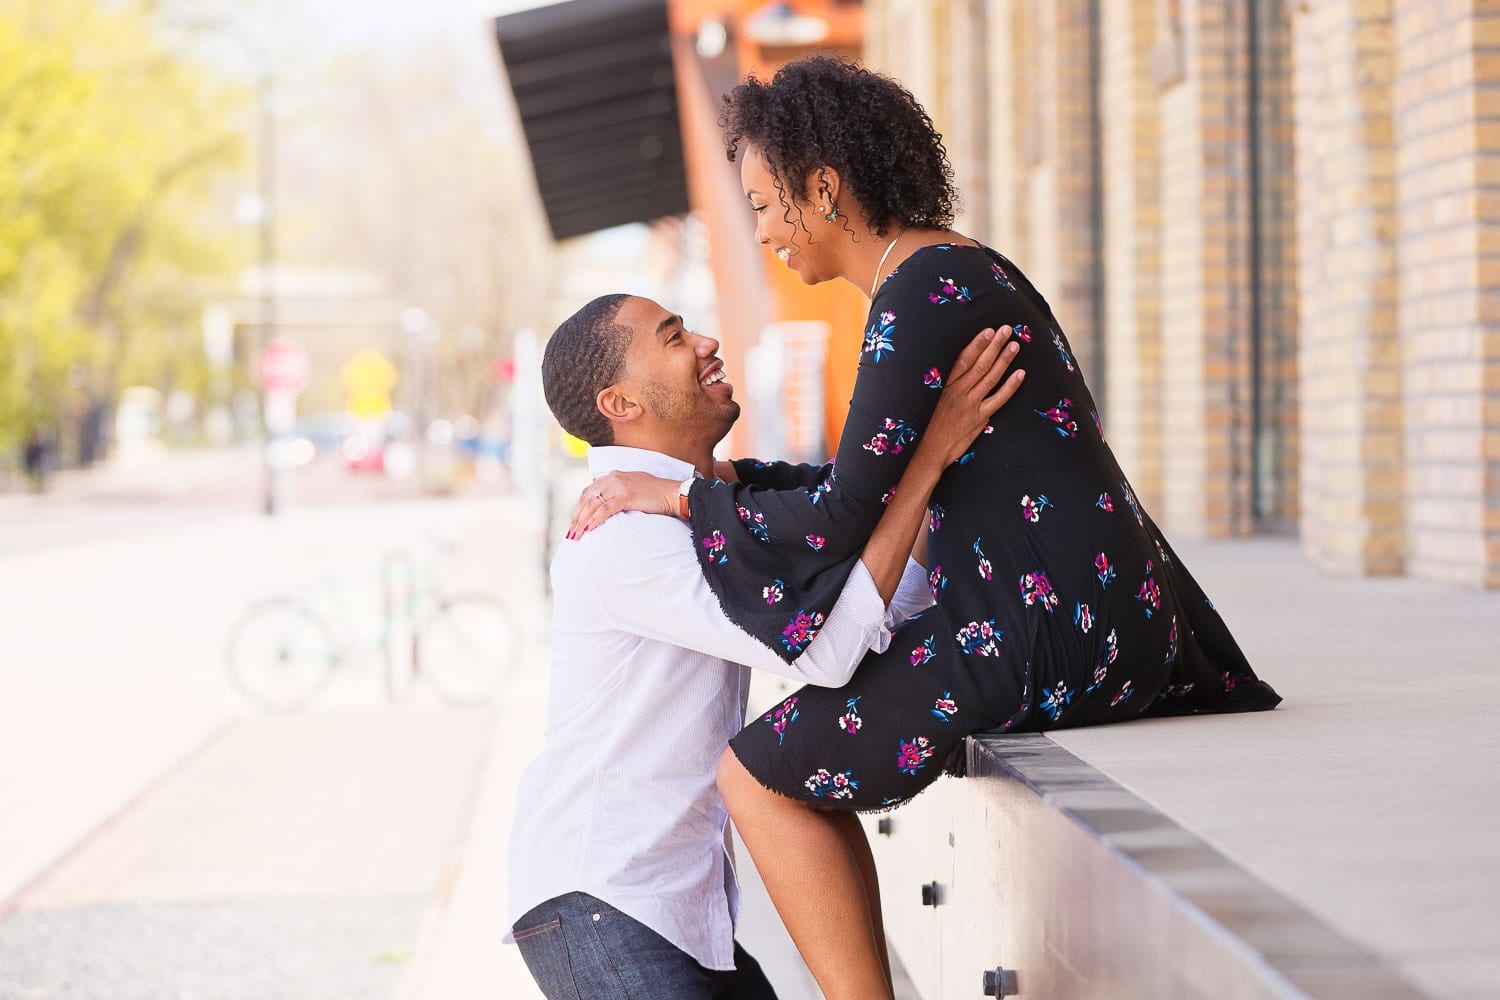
(779, 475)
(777, 559)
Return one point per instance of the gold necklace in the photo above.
(876, 282)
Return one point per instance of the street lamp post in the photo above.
(264, 214)
(266, 182)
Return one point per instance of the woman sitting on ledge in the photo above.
(1058, 602)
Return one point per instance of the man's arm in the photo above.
(647, 578)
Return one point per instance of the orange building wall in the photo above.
(754, 288)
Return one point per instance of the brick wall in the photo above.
(1334, 364)
(1350, 382)
(1204, 270)
(1129, 139)
(1446, 112)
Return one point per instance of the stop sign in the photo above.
(284, 366)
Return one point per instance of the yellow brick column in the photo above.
(1129, 143)
(1205, 272)
(1010, 85)
(1349, 377)
(1446, 100)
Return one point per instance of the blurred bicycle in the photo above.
(285, 650)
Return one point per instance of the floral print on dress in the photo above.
(819, 491)
(1001, 278)
(1178, 690)
(1135, 508)
(1036, 591)
(933, 379)
(1105, 503)
(773, 592)
(850, 722)
(936, 581)
(714, 543)
(1122, 695)
(951, 291)
(1150, 594)
(825, 784)
(801, 630)
(935, 517)
(815, 542)
(781, 716)
(925, 652)
(1061, 421)
(754, 522)
(1031, 510)
(986, 572)
(1233, 679)
(945, 707)
(1022, 332)
(1098, 424)
(1107, 657)
(880, 337)
(1171, 642)
(888, 496)
(1062, 351)
(1083, 618)
(892, 438)
(1103, 570)
(980, 638)
(913, 755)
(1056, 699)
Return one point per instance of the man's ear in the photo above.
(618, 405)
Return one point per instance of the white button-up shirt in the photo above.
(649, 682)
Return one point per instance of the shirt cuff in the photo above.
(858, 619)
(912, 595)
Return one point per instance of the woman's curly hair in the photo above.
(821, 111)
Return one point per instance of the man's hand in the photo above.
(967, 403)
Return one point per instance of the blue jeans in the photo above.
(581, 948)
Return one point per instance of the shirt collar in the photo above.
(618, 458)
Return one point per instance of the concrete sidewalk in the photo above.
(291, 856)
(348, 855)
(1367, 798)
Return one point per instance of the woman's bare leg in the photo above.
(814, 878)
(859, 844)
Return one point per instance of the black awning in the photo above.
(594, 85)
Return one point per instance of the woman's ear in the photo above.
(617, 404)
(823, 184)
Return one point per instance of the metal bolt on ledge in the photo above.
(1000, 982)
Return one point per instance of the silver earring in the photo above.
(832, 215)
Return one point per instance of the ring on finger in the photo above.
(599, 496)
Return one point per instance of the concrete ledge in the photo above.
(1113, 898)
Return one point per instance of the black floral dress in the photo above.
(1058, 602)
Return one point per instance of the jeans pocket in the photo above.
(521, 935)
(544, 949)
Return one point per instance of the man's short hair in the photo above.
(585, 356)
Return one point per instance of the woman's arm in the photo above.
(965, 406)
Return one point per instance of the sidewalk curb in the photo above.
(12, 903)
(438, 908)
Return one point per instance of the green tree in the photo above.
(115, 159)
